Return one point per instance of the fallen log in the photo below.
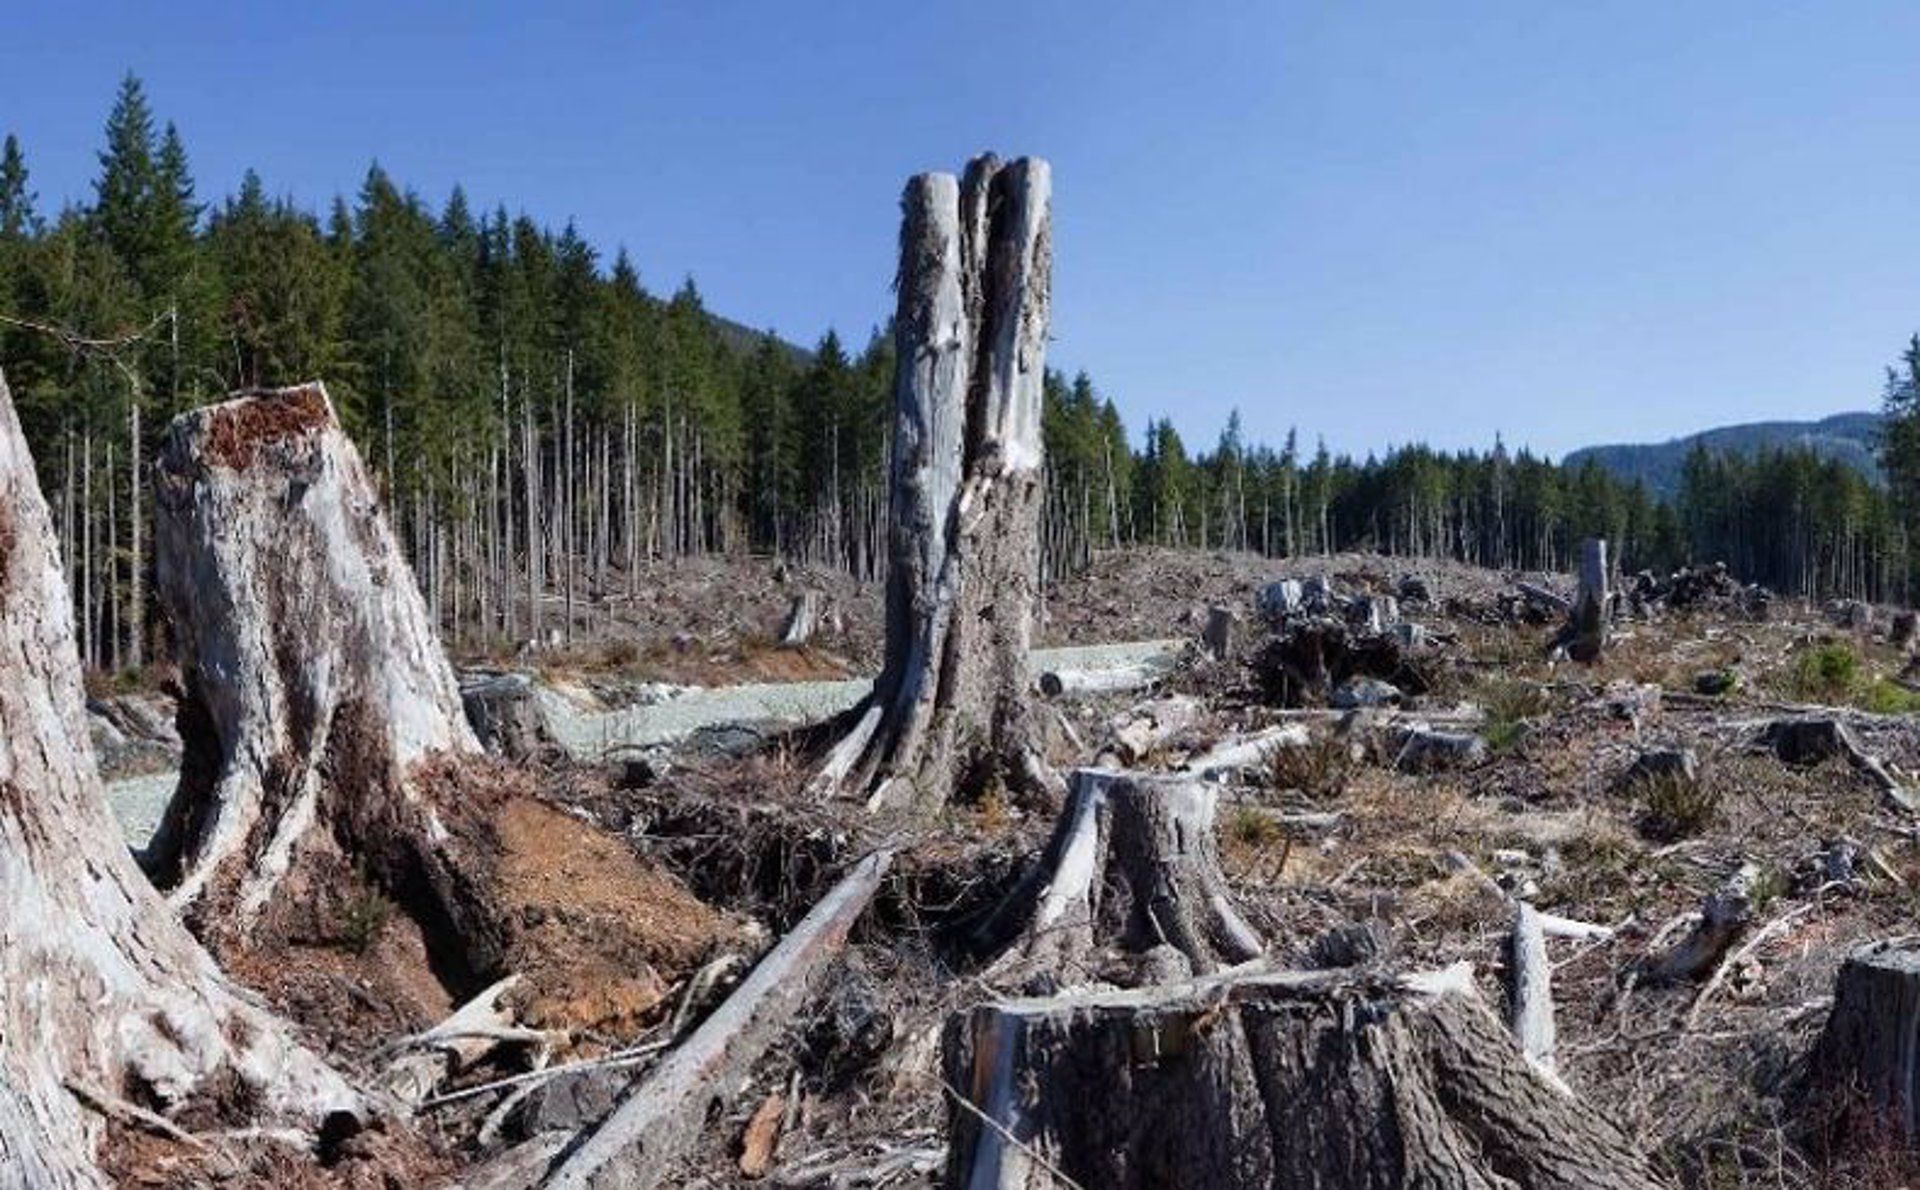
(1229, 758)
(1530, 988)
(1341, 1078)
(1551, 600)
(1065, 683)
(474, 1031)
(1130, 879)
(637, 1145)
(1137, 732)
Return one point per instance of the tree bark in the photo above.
(964, 529)
(1585, 634)
(101, 988)
(1264, 1080)
(316, 688)
(1866, 1057)
(1129, 889)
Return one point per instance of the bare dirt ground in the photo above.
(723, 855)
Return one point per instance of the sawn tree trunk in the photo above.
(104, 996)
(950, 706)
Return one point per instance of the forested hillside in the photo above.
(542, 420)
(1850, 438)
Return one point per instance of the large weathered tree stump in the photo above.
(103, 993)
(951, 702)
(1866, 1064)
(1265, 1080)
(1585, 634)
(1129, 888)
(315, 683)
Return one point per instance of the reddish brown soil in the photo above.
(237, 430)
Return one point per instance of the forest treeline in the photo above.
(542, 423)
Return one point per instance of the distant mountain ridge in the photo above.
(1852, 438)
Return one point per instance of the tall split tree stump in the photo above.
(316, 689)
(1129, 889)
(950, 705)
(103, 994)
(1239, 1082)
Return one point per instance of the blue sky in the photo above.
(1566, 223)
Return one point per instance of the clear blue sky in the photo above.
(1568, 223)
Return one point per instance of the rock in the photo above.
(1355, 693)
(506, 715)
(568, 1102)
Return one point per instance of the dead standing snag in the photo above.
(316, 687)
(951, 702)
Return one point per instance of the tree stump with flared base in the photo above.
(317, 693)
(950, 706)
(102, 992)
(1129, 889)
(1260, 1081)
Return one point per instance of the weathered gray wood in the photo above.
(1132, 867)
(315, 681)
(1245, 1080)
(472, 1032)
(803, 620)
(1221, 632)
(1866, 1057)
(1585, 635)
(1724, 914)
(100, 986)
(637, 1145)
(1551, 600)
(971, 329)
(1530, 987)
(1232, 757)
